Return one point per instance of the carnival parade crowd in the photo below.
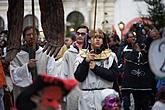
(93, 70)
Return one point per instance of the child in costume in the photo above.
(46, 93)
(111, 100)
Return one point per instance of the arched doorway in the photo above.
(2, 24)
(74, 20)
(28, 21)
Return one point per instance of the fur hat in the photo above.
(45, 92)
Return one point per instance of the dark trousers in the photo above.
(126, 99)
(8, 100)
(141, 99)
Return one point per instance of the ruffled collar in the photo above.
(103, 55)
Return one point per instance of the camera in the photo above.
(139, 30)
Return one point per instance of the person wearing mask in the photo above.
(111, 100)
(46, 93)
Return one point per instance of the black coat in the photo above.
(137, 73)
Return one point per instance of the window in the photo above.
(28, 21)
(2, 24)
(74, 20)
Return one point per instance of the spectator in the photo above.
(8, 88)
(2, 85)
(160, 100)
(138, 78)
(68, 41)
(114, 42)
(126, 47)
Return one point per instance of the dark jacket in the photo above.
(137, 73)
(107, 74)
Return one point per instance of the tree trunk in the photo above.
(15, 15)
(52, 20)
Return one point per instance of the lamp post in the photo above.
(121, 26)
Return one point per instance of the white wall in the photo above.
(125, 10)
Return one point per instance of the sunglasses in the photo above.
(81, 33)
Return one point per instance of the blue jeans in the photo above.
(160, 83)
(1, 99)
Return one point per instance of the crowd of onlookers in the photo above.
(109, 70)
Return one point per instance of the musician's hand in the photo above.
(32, 63)
(92, 64)
(90, 56)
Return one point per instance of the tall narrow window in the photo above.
(2, 24)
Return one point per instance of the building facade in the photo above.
(84, 8)
(109, 12)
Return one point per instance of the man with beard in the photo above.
(24, 68)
